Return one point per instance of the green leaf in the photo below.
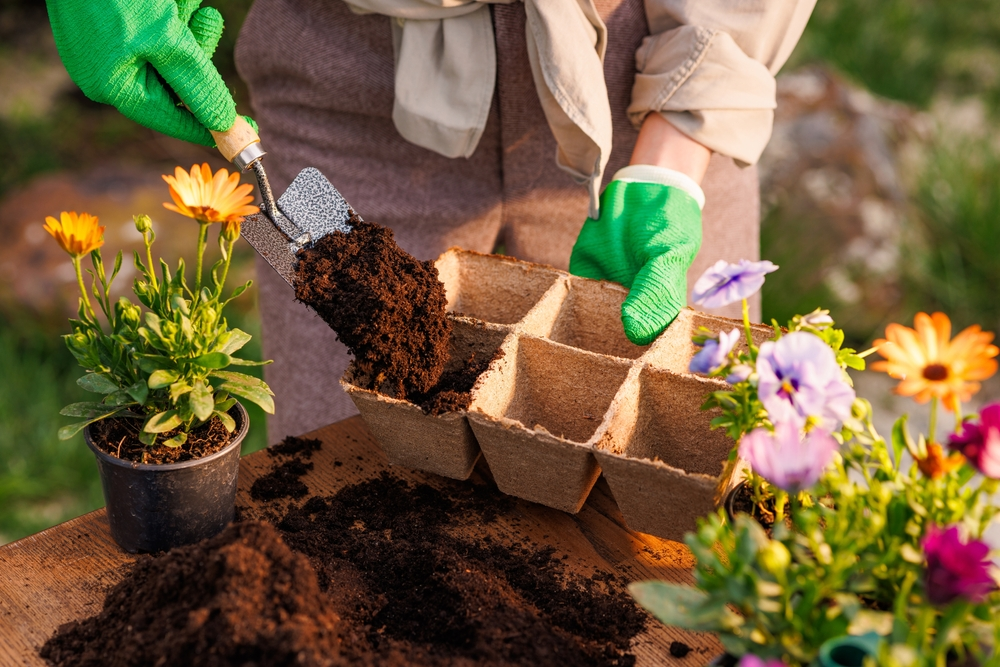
(253, 394)
(162, 378)
(237, 339)
(226, 420)
(175, 441)
(226, 405)
(202, 401)
(97, 383)
(901, 439)
(88, 409)
(212, 360)
(154, 362)
(247, 362)
(119, 398)
(67, 432)
(680, 606)
(147, 438)
(162, 422)
(139, 391)
(231, 377)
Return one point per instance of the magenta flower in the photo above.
(980, 442)
(956, 569)
(786, 458)
(753, 661)
(714, 353)
(799, 378)
(724, 283)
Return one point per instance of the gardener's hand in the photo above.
(646, 238)
(147, 58)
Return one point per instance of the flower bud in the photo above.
(143, 223)
(775, 557)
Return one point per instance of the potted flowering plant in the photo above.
(168, 426)
(876, 560)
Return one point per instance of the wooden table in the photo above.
(62, 574)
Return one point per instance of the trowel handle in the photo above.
(239, 144)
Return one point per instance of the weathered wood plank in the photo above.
(61, 574)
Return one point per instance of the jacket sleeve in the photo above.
(708, 66)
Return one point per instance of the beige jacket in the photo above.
(708, 66)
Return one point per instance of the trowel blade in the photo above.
(309, 209)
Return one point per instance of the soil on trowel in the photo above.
(385, 306)
(119, 437)
(240, 598)
(453, 392)
(402, 565)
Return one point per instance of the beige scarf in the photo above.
(446, 69)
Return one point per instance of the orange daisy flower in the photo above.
(207, 197)
(930, 363)
(76, 234)
(936, 465)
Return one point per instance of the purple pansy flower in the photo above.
(980, 442)
(956, 569)
(739, 373)
(753, 661)
(786, 458)
(724, 283)
(799, 378)
(714, 353)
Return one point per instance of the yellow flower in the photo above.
(936, 465)
(929, 363)
(208, 198)
(76, 234)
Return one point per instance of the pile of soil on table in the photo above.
(240, 598)
(402, 564)
(453, 392)
(119, 436)
(385, 306)
(283, 479)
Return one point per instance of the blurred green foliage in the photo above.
(909, 50)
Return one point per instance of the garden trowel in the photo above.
(308, 210)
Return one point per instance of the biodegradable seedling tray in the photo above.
(569, 396)
(442, 444)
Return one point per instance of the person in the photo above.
(462, 123)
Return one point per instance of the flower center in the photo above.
(788, 387)
(935, 372)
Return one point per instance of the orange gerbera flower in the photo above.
(76, 234)
(209, 198)
(936, 465)
(929, 363)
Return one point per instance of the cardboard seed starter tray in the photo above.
(569, 396)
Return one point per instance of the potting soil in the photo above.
(240, 598)
(119, 437)
(282, 481)
(400, 562)
(385, 306)
(453, 392)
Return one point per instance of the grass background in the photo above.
(915, 51)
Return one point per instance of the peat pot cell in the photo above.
(590, 318)
(537, 413)
(673, 350)
(439, 443)
(491, 288)
(662, 460)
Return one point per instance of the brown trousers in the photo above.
(321, 85)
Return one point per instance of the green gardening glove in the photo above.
(646, 237)
(147, 58)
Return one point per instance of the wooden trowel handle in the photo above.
(236, 140)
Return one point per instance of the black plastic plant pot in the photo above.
(157, 507)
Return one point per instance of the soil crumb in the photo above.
(679, 649)
(119, 437)
(385, 306)
(240, 598)
(453, 392)
(401, 562)
(282, 482)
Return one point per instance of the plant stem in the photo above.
(958, 416)
(779, 506)
(225, 268)
(202, 235)
(746, 323)
(83, 290)
(149, 262)
(932, 429)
